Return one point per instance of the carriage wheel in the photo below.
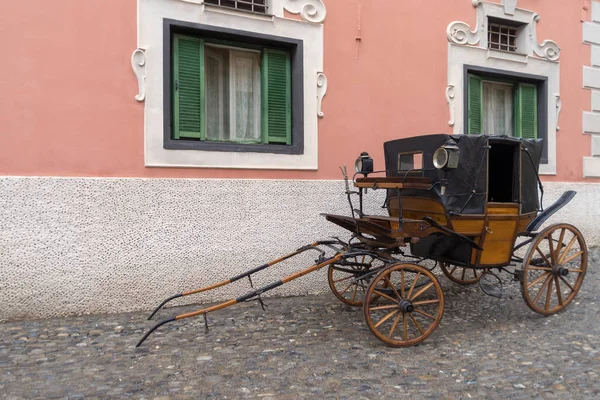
(341, 279)
(553, 268)
(406, 305)
(461, 275)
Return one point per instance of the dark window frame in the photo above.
(294, 46)
(541, 83)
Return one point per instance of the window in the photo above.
(506, 35)
(502, 107)
(246, 5)
(230, 92)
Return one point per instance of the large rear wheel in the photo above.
(405, 306)
(554, 268)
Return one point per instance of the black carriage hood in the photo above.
(466, 189)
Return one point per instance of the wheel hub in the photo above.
(406, 306)
(559, 270)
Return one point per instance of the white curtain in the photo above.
(497, 108)
(245, 96)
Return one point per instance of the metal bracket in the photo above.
(262, 304)
(205, 323)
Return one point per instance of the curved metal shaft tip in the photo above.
(162, 304)
(153, 329)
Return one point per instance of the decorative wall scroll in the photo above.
(310, 10)
(548, 48)
(460, 33)
(321, 91)
(450, 101)
(138, 63)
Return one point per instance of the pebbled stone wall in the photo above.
(98, 245)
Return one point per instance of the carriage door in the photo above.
(503, 203)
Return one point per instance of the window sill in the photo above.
(172, 144)
(507, 56)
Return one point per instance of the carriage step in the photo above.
(563, 200)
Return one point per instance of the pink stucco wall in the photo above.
(66, 85)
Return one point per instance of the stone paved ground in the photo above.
(313, 347)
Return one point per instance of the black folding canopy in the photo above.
(481, 175)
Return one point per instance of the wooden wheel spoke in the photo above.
(551, 245)
(388, 316)
(539, 268)
(421, 303)
(453, 269)
(572, 257)
(535, 282)
(424, 313)
(354, 292)
(386, 307)
(385, 295)
(423, 289)
(394, 325)
(548, 263)
(343, 279)
(413, 285)
(548, 277)
(464, 271)
(558, 294)
(346, 289)
(474, 273)
(559, 246)
(402, 283)
(405, 326)
(548, 294)
(392, 286)
(560, 259)
(416, 323)
(567, 283)
(576, 270)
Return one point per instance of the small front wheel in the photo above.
(405, 306)
(345, 279)
(461, 275)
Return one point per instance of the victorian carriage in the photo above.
(467, 203)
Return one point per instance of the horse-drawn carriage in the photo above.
(466, 203)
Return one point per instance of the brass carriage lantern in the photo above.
(364, 164)
(446, 157)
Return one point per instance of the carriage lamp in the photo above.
(446, 157)
(364, 164)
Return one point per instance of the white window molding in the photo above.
(468, 47)
(150, 38)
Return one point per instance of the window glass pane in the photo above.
(497, 108)
(214, 71)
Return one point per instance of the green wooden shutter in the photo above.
(188, 87)
(526, 111)
(276, 97)
(475, 103)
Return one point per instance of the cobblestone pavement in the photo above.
(313, 347)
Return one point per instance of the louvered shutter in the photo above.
(526, 111)
(188, 87)
(475, 103)
(276, 97)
